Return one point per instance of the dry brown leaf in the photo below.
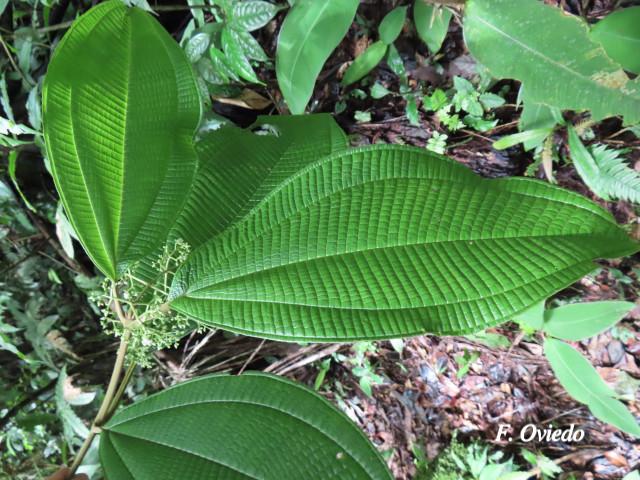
(247, 99)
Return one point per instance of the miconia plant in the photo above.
(278, 231)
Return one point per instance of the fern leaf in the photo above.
(604, 171)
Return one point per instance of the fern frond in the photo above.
(617, 179)
(605, 171)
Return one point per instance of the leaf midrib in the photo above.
(468, 328)
(340, 190)
(125, 247)
(198, 269)
(392, 309)
(110, 257)
(127, 83)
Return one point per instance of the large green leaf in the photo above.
(238, 168)
(391, 241)
(552, 54)
(311, 31)
(619, 34)
(253, 426)
(120, 110)
(584, 384)
(583, 320)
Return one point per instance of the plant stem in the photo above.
(103, 412)
(123, 386)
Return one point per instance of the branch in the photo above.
(107, 407)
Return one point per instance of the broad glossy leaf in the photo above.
(619, 34)
(583, 320)
(392, 24)
(250, 15)
(309, 33)
(236, 58)
(253, 426)
(392, 241)
(365, 62)
(121, 107)
(221, 64)
(521, 40)
(250, 45)
(582, 382)
(432, 24)
(197, 46)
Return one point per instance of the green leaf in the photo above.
(604, 172)
(365, 62)
(197, 13)
(536, 116)
(234, 54)
(432, 24)
(251, 15)
(490, 339)
(223, 191)
(534, 136)
(392, 24)
(226, 191)
(197, 46)
(250, 45)
(583, 383)
(379, 91)
(237, 427)
(583, 320)
(411, 111)
(619, 34)
(221, 64)
(394, 60)
(436, 101)
(392, 241)
(64, 232)
(123, 165)
(209, 74)
(532, 317)
(309, 33)
(491, 100)
(12, 158)
(521, 40)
